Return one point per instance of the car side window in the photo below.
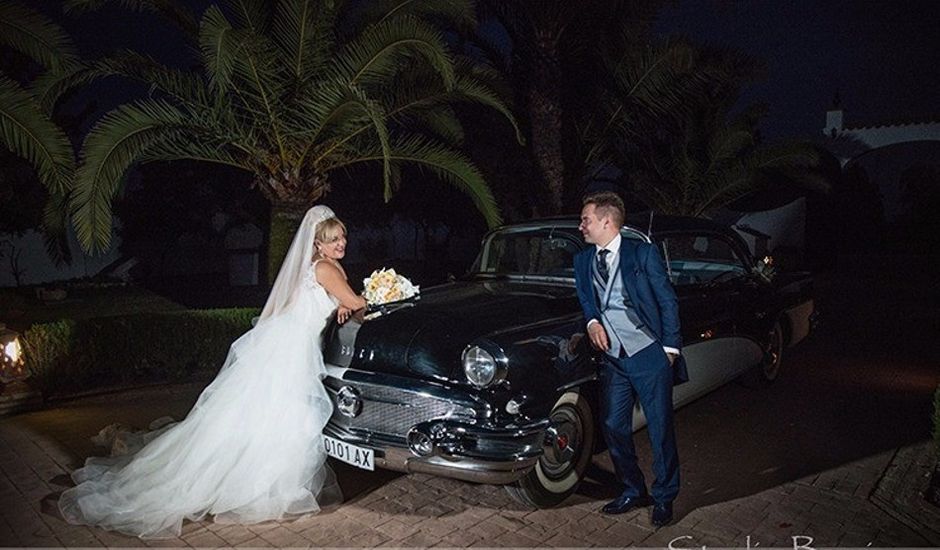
(695, 258)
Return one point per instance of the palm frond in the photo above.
(720, 189)
(453, 168)
(115, 144)
(303, 30)
(174, 11)
(262, 87)
(199, 147)
(330, 112)
(446, 164)
(55, 229)
(381, 52)
(36, 37)
(28, 132)
(785, 155)
(729, 142)
(799, 161)
(458, 14)
(419, 91)
(219, 47)
(658, 84)
(49, 87)
(661, 79)
(493, 52)
(468, 88)
(185, 87)
(441, 123)
(252, 15)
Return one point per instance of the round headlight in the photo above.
(479, 365)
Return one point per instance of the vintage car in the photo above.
(489, 379)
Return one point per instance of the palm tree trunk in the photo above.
(285, 219)
(545, 114)
(290, 198)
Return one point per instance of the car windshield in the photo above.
(700, 258)
(535, 252)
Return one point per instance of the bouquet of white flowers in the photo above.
(384, 286)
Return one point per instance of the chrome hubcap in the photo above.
(564, 441)
(772, 358)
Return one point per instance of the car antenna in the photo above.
(649, 235)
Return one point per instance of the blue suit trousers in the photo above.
(646, 377)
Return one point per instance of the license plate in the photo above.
(359, 457)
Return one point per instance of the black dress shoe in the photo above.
(622, 505)
(662, 514)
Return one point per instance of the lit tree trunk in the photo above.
(285, 219)
(289, 202)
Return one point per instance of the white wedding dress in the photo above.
(250, 449)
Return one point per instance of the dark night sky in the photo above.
(878, 54)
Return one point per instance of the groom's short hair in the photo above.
(607, 203)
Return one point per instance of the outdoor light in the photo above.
(12, 366)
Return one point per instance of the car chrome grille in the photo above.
(496, 447)
(391, 411)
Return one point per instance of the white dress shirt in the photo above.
(614, 248)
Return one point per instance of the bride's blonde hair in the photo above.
(330, 230)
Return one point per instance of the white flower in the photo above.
(384, 286)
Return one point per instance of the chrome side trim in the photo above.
(464, 469)
(578, 382)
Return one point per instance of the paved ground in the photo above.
(844, 506)
(837, 452)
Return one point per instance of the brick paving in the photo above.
(868, 502)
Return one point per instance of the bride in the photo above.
(251, 448)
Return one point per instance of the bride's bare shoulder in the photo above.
(327, 271)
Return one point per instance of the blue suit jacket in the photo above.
(647, 284)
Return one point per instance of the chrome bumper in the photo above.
(459, 442)
(465, 452)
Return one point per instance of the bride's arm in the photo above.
(331, 278)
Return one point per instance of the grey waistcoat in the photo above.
(620, 320)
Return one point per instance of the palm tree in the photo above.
(26, 125)
(292, 92)
(555, 51)
(717, 161)
(664, 124)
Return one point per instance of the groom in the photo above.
(633, 317)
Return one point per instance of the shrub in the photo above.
(72, 355)
(936, 421)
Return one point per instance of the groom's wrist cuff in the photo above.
(667, 349)
(592, 321)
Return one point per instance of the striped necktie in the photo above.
(602, 268)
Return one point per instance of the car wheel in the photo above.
(765, 372)
(567, 453)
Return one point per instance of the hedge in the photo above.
(70, 356)
(936, 421)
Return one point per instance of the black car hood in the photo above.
(426, 339)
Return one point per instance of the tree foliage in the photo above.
(665, 122)
(26, 104)
(292, 91)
